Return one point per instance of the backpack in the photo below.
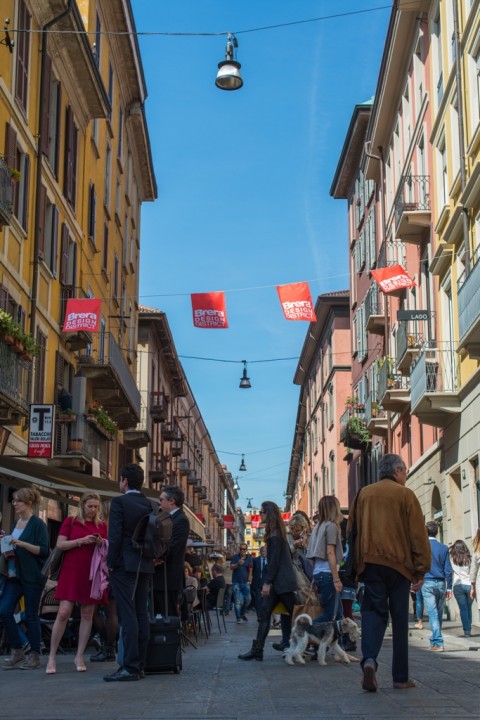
(153, 533)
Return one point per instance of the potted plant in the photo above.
(74, 445)
(8, 327)
(102, 419)
(66, 415)
(357, 428)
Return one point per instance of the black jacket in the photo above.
(258, 577)
(280, 572)
(125, 512)
(175, 556)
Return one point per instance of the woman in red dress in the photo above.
(77, 538)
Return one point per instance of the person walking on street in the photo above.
(392, 553)
(280, 582)
(461, 561)
(242, 566)
(129, 573)
(437, 587)
(258, 580)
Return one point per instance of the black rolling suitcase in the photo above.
(164, 651)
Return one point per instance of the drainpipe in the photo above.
(38, 180)
(461, 137)
(381, 161)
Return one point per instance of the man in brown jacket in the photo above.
(392, 555)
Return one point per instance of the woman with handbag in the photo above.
(325, 549)
(77, 538)
(280, 583)
(30, 542)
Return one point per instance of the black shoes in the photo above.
(255, 653)
(244, 617)
(280, 646)
(121, 675)
(105, 654)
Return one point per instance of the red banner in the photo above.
(82, 314)
(255, 520)
(296, 301)
(228, 521)
(393, 278)
(209, 310)
(286, 516)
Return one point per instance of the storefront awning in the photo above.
(57, 483)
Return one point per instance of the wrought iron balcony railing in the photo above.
(413, 195)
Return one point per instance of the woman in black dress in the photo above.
(280, 583)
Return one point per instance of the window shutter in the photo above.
(67, 180)
(46, 99)
(41, 222)
(10, 146)
(59, 373)
(64, 255)
(22, 42)
(3, 298)
(54, 242)
(92, 212)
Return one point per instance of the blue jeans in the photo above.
(241, 598)
(14, 590)
(464, 602)
(419, 605)
(329, 599)
(433, 592)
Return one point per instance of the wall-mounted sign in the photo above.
(414, 315)
(40, 432)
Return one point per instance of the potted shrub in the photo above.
(99, 416)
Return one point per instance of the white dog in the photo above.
(323, 634)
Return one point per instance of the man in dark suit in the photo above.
(171, 500)
(129, 573)
(258, 580)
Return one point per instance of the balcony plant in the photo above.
(66, 415)
(13, 335)
(356, 427)
(353, 402)
(102, 419)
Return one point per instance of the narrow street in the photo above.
(214, 685)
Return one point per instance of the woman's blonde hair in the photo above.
(299, 520)
(81, 507)
(476, 542)
(29, 495)
(329, 510)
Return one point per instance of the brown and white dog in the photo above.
(323, 634)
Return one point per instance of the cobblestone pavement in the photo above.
(215, 685)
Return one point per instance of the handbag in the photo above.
(53, 564)
(349, 568)
(311, 606)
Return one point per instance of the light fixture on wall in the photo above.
(242, 467)
(228, 75)
(245, 380)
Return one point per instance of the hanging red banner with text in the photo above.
(82, 314)
(255, 520)
(296, 301)
(392, 279)
(209, 310)
(228, 522)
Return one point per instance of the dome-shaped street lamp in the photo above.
(228, 75)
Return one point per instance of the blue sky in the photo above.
(243, 198)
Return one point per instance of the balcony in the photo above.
(192, 478)
(393, 388)
(79, 446)
(375, 417)
(391, 253)
(5, 193)
(434, 385)
(140, 436)
(158, 406)
(184, 467)
(374, 311)
(353, 430)
(14, 385)
(158, 468)
(469, 308)
(112, 382)
(409, 340)
(412, 209)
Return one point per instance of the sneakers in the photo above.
(369, 682)
(17, 656)
(404, 685)
(437, 648)
(419, 625)
(31, 662)
(239, 621)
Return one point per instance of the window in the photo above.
(70, 169)
(51, 117)
(92, 213)
(108, 178)
(120, 136)
(19, 160)
(331, 458)
(97, 48)
(68, 262)
(22, 43)
(118, 200)
(110, 89)
(50, 237)
(116, 265)
(105, 248)
(40, 368)
(455, 137)
(437, 56)
(442, 174)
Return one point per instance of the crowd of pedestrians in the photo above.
(396, 556)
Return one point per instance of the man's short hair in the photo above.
(134, 475)
(432, 528)
(217, 569)
(175, 493)
(388, 464)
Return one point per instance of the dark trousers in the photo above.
(12, 593)
(268, 604)
(173, 599)
(386, 592)
(132, 608)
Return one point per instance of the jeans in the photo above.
(419, 605)
(433, 592)
(329, 599)
(14, 590)
(386, 592)
(241, 598)
(464, 602)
